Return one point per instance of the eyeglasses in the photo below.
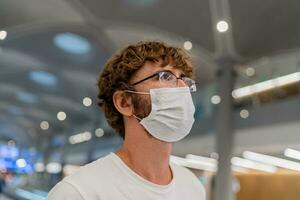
(168, 79)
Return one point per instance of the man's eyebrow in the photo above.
(181, 74)
(162, 70)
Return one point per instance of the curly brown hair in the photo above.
(121, 66)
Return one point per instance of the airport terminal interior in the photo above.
(247, 61)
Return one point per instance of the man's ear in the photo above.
(123, 103)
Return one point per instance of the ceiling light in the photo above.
(250, 71)
(214, 155)
(39, 167)
(26, 97)
(81, 137)
(222, 26)
(240, 162)
(201, 159)
(188, 45)
(216, 99)
(266, 85)
(193, 164)
(201, 163)
(87, 101)
(99, 132)
(61, 116)
(239, 169)
(43, 78)
(21, 163)
(244, 114)
(291, 153)
(3, 35)
(44, 125)
(72, 43)
(53, 168)
(279, 162)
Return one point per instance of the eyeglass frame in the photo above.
(158, 74)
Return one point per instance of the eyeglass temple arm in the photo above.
(144, 79)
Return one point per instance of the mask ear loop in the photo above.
(139, 119)
(131, 90)
(135, 92)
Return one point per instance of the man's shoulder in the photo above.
(64, 190)
(91, 171)
(88, 182)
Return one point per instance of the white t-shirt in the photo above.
(109, 178)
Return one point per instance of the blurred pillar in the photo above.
(93, 142)
(224, 129)
(226, 58)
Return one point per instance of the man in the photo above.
(145, 92)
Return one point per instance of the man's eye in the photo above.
(157, 77)
(166, 76)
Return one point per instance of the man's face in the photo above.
(141, 102)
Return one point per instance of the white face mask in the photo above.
(172, 114)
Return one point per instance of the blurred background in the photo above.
(247, 60)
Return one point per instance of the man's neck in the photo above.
(148, 157)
